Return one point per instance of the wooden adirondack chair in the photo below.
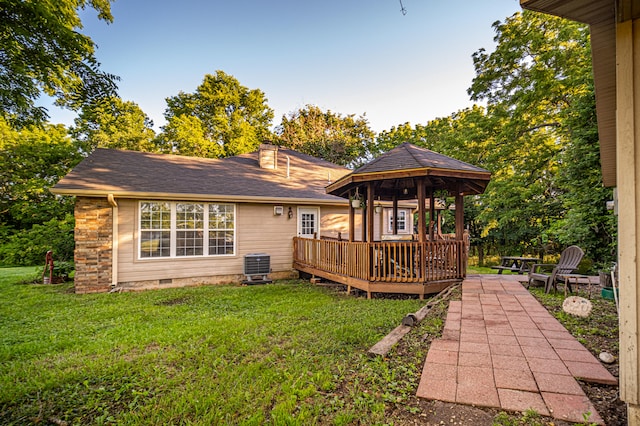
(548, 273)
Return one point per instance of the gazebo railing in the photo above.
(401, 261)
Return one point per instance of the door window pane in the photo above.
(308, 223)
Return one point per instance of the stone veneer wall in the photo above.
(94, 245)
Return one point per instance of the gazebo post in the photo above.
(421, 211)
(460, 230)
(370, 211)
(352, 224)
(432, 213)
(459, 216)
(394, 223)
(363, 216)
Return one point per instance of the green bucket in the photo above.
(607, 293)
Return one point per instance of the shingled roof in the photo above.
(131, 174)
(399, 167)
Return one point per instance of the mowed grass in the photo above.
(283, 353)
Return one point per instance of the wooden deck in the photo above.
(408, 267)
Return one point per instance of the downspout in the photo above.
(114, 237)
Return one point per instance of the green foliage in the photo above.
(32, 219)
(286, 353)
(185, 134)
(586, 223)
(29, 246)
(114, 123)
(63, 269)
(466, 135)
(36, 158)
(344, 140)
(220, 112)
(537, 136)
(528, 418)
(538, 86)
(44, 52)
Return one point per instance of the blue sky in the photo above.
(348, 56)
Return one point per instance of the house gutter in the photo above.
(114, 236)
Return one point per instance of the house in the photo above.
(152, 221)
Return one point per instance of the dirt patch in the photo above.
(174, 301)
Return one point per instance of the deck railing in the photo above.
(402, 261)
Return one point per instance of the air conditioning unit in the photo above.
(257, 267)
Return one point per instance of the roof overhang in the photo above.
(198, 197)
(601, 16)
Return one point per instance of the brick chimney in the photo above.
(268, 156)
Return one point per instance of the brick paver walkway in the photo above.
(501, 348)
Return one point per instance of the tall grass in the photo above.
(284, 353)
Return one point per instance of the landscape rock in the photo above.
(576, 305)
(606, 357)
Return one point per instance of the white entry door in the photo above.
(308, 222)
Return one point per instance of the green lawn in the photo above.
(283, 353)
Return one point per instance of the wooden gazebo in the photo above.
(426, 263)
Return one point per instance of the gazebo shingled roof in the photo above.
(397, 169)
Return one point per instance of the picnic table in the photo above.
(516, 264)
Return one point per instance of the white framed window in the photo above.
(155, 229)
(221, 229)
(189, 229)
(183, 229)
(402, 221)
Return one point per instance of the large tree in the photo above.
(535, 83)
(344, 140)
(221, 118)
(114, 123)
(586, 221)
(42, 51)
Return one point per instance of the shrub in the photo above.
(28, 247)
